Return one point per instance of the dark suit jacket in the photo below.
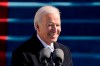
(28, 53)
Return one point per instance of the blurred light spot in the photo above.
(79, 38)
(38, 4)
(22, 38)
(96, 3)
(17, 38)
(5, 4)
(25, 4)
(81, 20)
(17, 20)
(3, 37)
(86, 55)
(3, 20)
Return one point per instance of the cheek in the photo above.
(49, 30)
(60, 29)
(46, 31)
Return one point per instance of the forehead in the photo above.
(52, 16)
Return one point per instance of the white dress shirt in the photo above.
(46, 45)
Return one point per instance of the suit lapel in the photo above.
(56, 45)
(36, 43)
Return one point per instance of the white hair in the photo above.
(44, 10)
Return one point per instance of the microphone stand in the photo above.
(44, 63)
(58, 63)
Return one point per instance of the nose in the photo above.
(54, 28)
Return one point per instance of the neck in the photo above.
(39, 37)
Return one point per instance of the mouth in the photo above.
(53, 35)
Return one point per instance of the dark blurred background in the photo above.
(80, 28)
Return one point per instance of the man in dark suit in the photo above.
(47, 24)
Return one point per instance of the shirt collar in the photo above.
(46, 45)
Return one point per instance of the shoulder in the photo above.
(62, 46)
(26, 46)
(65, 48)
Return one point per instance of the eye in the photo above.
(58, 25)
(50, 24)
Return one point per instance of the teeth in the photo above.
(51, 34)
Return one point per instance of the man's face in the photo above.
(50, 28)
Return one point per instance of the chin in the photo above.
(53, 40)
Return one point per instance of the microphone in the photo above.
(58, 57)
(45, 54)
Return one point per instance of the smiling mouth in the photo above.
(52, 35)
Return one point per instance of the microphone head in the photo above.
(58, 56)
(45, 54)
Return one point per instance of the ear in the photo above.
(36, 26)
